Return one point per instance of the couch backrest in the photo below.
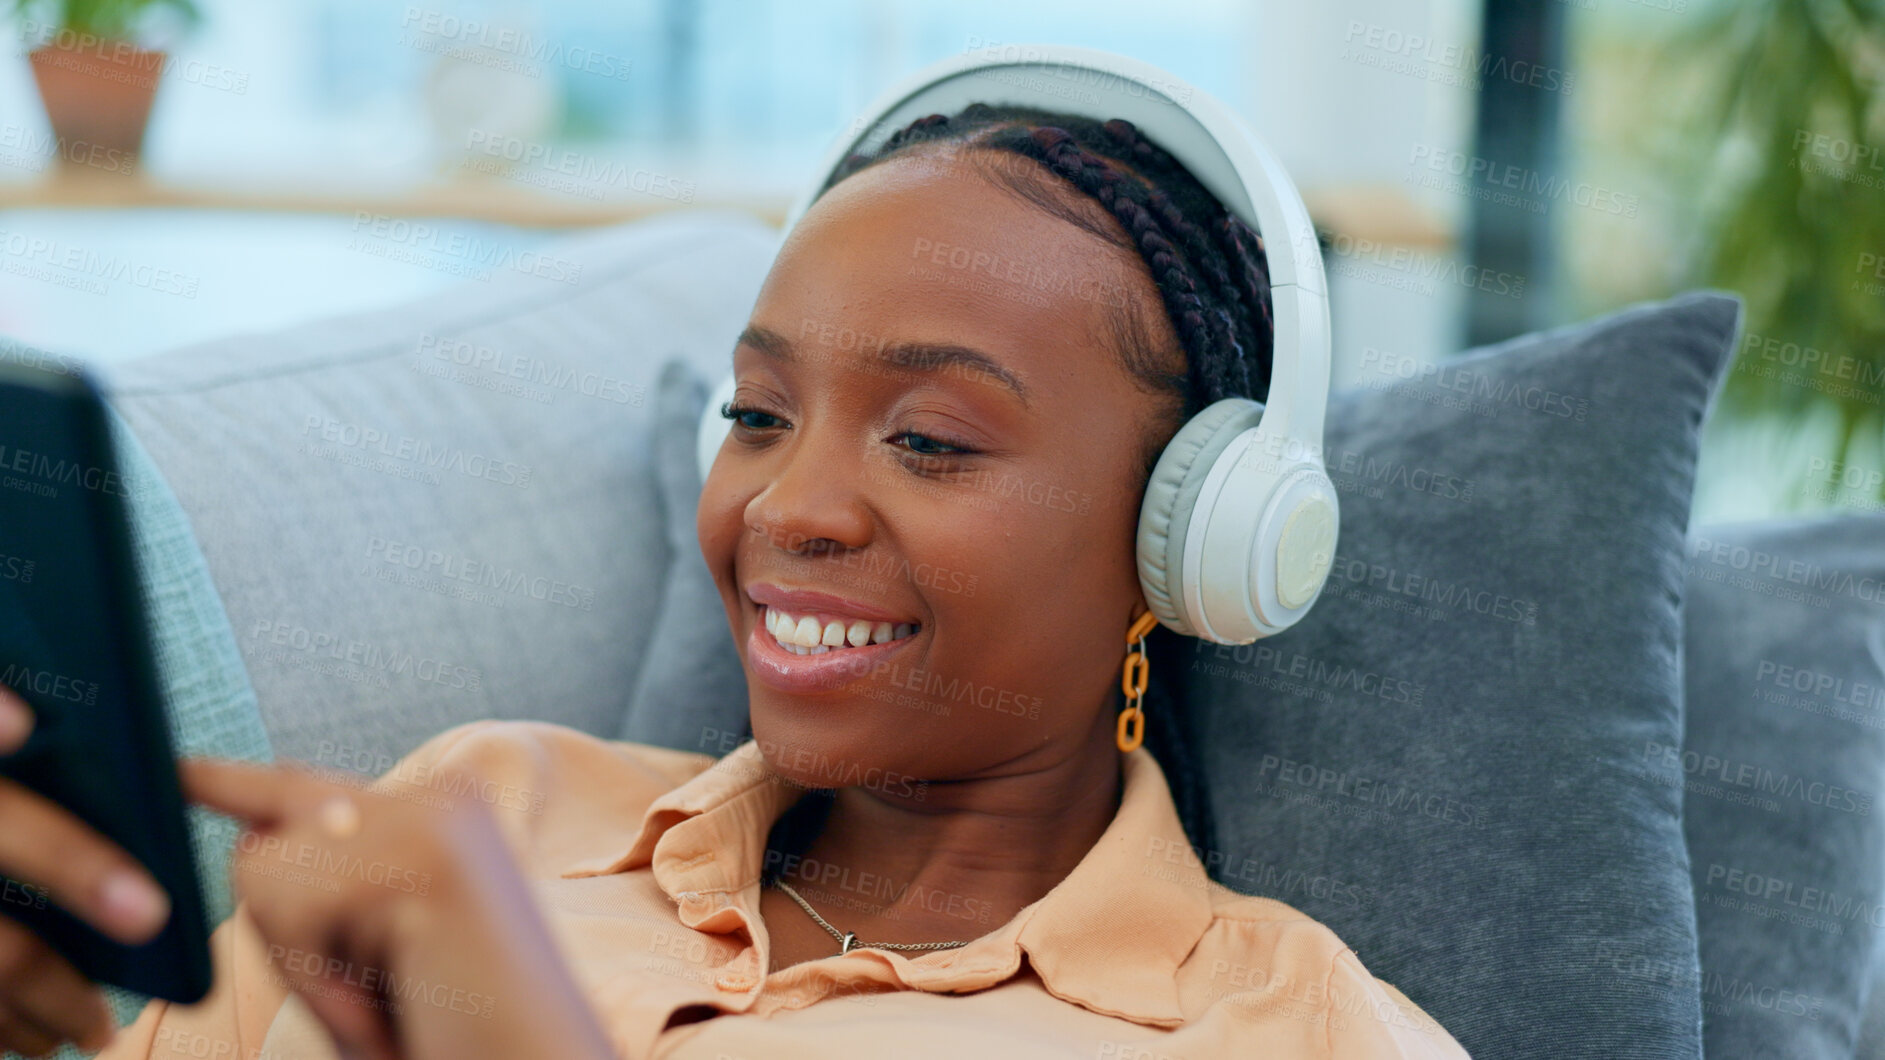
(401, 508)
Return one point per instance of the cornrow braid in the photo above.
(1207, 264)
(1211, 274)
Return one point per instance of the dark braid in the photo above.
(1209, 269)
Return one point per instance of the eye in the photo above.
(924, 445)
(737, 414)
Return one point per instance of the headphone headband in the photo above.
(1205, 136)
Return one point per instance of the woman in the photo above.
(943, 837)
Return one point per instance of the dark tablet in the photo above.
(74, 645)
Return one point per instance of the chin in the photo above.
(826, 744)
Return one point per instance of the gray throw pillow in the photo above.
(447, 511)
(1781, 767)
(1441, 762)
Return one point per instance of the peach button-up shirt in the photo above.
(646, 864)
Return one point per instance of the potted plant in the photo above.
(95, 77)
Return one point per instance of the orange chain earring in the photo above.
(1131, 731)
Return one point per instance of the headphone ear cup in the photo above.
(1171, 497)
(714, 427)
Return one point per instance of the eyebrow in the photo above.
(907, 356)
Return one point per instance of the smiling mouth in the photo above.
(815, 633)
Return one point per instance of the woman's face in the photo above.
(989, 504)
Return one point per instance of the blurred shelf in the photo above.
(1383, 214)
(496, 201)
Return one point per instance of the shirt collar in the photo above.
(1110, 937)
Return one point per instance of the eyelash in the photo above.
(733, 412)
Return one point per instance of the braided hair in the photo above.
(1209, 269)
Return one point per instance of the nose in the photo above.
(814, 503)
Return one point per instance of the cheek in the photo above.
(719, 520)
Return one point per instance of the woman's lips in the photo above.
(811, 674)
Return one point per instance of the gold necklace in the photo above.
(848, 942)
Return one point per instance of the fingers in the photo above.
(46, 1000)
(332, 958)
(262, 795)
(16, 721)
(23, 1036)
(83, 871)
(357, 1018)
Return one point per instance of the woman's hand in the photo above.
(406, 928)
(56, 857)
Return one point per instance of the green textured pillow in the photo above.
(206, 690)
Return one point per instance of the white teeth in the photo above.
(805, 635)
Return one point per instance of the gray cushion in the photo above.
(1442, 761)
(211, 707)
(1448, 740)
(447, 511)
(692, 694)
(1782, 764)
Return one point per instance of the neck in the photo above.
(967, 858)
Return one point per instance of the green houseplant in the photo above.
(95, 75)
(1781, 151)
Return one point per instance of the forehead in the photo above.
(924, 247)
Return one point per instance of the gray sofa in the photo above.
(1506, 758)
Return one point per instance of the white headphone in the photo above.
(1238, 528)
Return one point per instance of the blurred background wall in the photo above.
(1478, 168)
